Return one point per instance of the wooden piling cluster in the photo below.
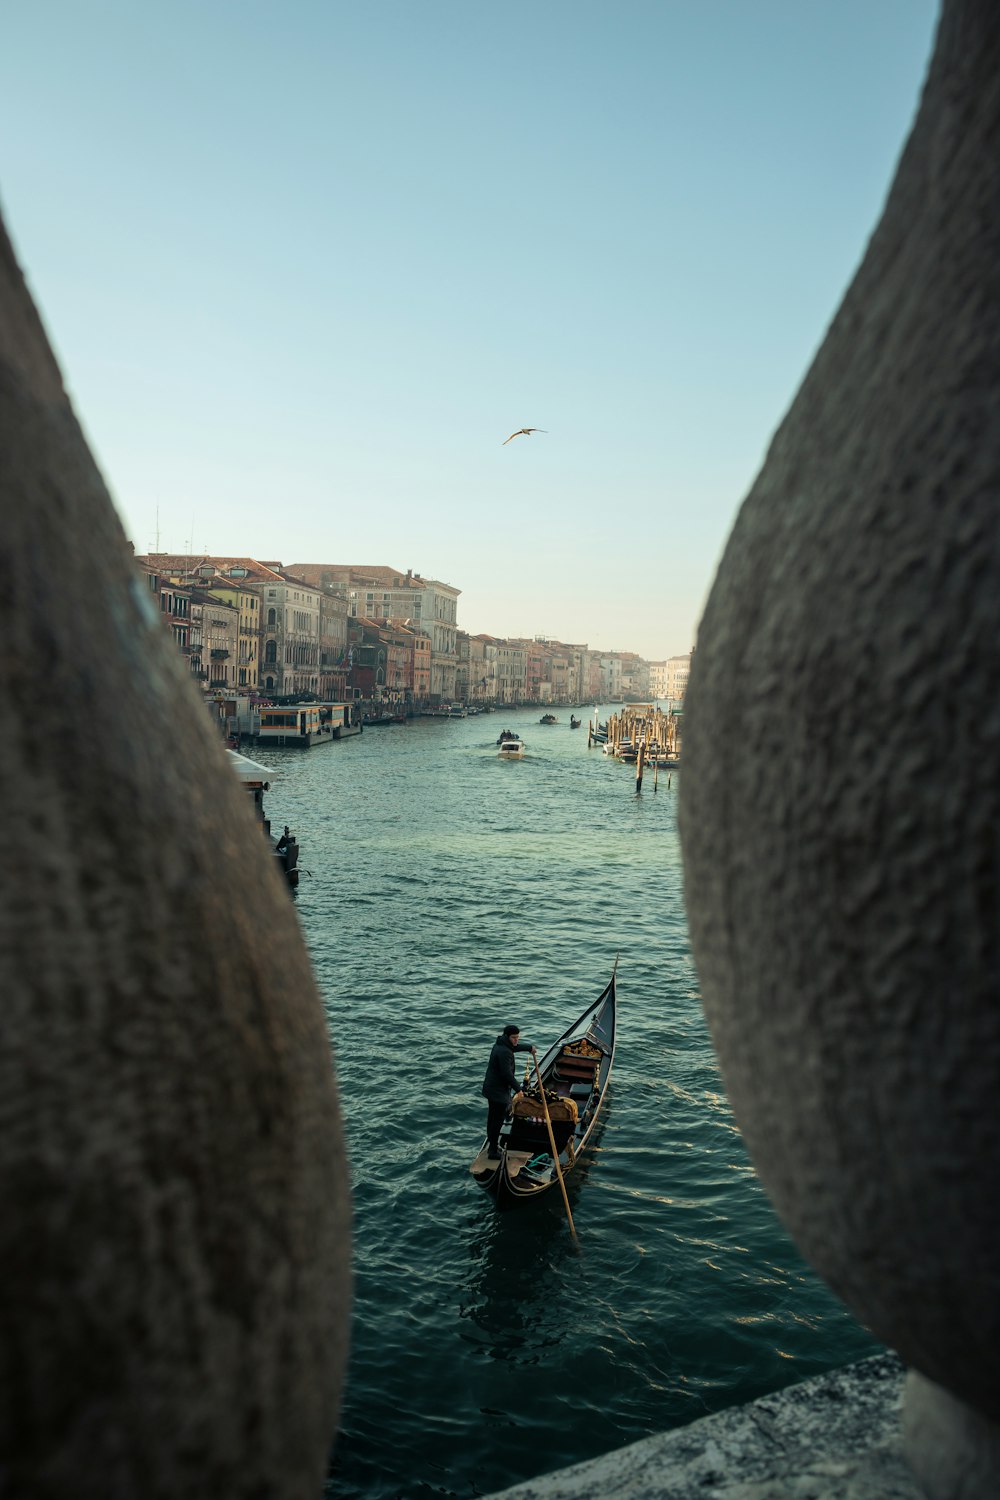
(643, 733)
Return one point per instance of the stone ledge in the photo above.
(835, 1437)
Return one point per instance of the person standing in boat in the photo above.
(500, 1083)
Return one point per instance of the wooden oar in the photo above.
(552, 1143)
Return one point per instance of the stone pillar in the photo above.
(173, 1194)
(840, 801)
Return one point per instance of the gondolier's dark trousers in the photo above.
(494, 1119)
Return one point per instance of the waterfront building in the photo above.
(634, 677)
(214, 641)
(173, 600)
(511, 681)
(577, 673)
(367, 657)
(606, 677)
(380, 593)
(658, 679)
(563, 672)
(289, 614)
(537, 688)
(333, 644)
(483, 668)
(183, 575)
(417, 645)
(678, 669)
(558, 664)
(462, 658)
(247, 604)
(399, 656)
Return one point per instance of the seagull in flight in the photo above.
(522, 432)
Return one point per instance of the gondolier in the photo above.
(500, 1083)
(548, 1132)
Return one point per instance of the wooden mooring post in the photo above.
(640, 761)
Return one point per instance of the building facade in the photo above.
(288, 644)
(677, 673)
(379, 593)
(247, 604)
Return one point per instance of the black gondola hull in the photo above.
(521, 1174)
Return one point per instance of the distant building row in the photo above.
(375, 634)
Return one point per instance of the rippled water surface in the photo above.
(449, 893)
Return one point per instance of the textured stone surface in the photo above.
(832, 1438)
(174, 1223)
(954, 1450)
(840, 803)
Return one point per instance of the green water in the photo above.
(449, 893)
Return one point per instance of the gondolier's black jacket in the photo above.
(501, 1080)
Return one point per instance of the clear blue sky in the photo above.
(306, 264)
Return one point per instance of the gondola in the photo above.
(575, 1071)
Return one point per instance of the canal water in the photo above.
(448, 893)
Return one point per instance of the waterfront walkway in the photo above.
(835, 1437)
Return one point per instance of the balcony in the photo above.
(218, 654)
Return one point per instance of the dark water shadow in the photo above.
(522, 1261)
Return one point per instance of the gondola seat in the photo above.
(532, 1135)
(572, 1068)
(528, 1130)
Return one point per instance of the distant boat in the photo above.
(574, 723)
(548, 719)
(510, 746)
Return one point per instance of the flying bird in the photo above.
(522, 432)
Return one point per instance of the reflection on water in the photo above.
(519, 1259)
(450, 894)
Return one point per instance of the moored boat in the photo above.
(575, 1072)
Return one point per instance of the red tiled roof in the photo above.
(257, 572)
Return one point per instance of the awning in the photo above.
(250, 771)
